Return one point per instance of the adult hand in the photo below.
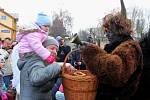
(70, 68)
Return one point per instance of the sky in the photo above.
(85, 13)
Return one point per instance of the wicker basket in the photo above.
(79, 87)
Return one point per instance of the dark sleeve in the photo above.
(72, 58)
(109, 48)
(68, 49)
(145, 41)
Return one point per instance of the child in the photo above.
(31, 36)
(60, 93)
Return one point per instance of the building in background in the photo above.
(8, 24)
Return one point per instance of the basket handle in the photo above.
(63, 68)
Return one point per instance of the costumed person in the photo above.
(37, 76)
(1, 43)
(7, 69)
(7, 43)
(119, 65)
(3, 56)
(143, 92)
(31, 36)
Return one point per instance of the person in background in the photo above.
(61, 54)
(16, 72)
(63, 49)
(2, 63)
(36, 76)
(4, 55)
(7, 43)
(2, 43)
(76, 59)
(90, 39)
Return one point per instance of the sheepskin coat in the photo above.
(115, 68)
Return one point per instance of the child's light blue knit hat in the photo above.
(43, 19)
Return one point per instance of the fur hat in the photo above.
(117, 22)
(50, 41)
(43, 19)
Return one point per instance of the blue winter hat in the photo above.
(43, 19)
(58, 38)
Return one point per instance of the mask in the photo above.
(112, 37)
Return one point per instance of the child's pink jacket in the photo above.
(33, 42)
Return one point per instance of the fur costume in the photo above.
(114, 68)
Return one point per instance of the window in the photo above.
(5, 31)
(3, 17)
